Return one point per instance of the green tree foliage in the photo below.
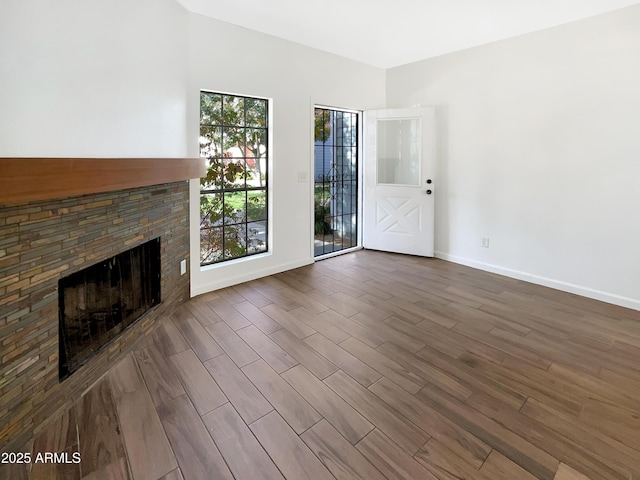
(322, 124)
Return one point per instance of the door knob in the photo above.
(428, 192)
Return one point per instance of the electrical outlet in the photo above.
(484, 242)
(183, 267)
(302, 177)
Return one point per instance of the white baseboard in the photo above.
(247, 277)
(547, 282)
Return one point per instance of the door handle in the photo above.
(428, 192)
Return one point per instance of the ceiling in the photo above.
(388, 33)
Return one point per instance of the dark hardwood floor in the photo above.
(366, 366)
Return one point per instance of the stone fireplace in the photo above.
(44, 241)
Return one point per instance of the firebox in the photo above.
(98, 303)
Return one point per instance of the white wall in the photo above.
(538, 135)
(539, 143)
(231, 59)
(92, 78)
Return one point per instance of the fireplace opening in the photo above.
(98, 303)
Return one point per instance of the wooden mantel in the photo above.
(26, 179)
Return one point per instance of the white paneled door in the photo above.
(399, 185)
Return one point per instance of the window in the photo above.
(336, 181)
(233, 194)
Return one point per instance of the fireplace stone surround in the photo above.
(42, 241)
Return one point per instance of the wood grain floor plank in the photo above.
(251, 294)
(602, 462)
(361, 306)
(387, 333)
(257, 317)
(429, 306)
(391, 460)
(231, 295)
(101, 441)
(244, 454)
(288, 321)
(56, 470)
(117, 470)
(242, 394)
(162, 382)
(588, 451)
(465, 445)
(184, 311)
(425, 370)
(330, 405)
(332, 303)
(466, 376)
(168, 339)
(201, 311)
(315, 278)
(341, 458)
(198, 338)
(292, 282)
(353, 366)
(592, 387)
(270, 283)
(424, 333)
(16, 471)
(407, 311)
(61, 434)
(199, 385)
(615, 421)
(276, 297)
(303, 299)
(288, 402)
(197, 454)
(230, 315)
(504, 346)
(565, 472)
(526, 380)
(312, 360)
(406, 434)
(512, 446)
(396, 286)
(484, 320)
(320, 325)
(445, 464)
(148, 450)
(275, 356)
(174, 475)
(287, 450)
(622, 378)
(363, 333)
(232, 344)
(387, 367)
(499, 467)
(554, 353)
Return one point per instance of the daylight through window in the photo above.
(233, 194)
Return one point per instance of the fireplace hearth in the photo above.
(99, 302)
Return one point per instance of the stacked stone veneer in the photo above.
(41, 242)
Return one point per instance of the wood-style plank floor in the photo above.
(366, 366)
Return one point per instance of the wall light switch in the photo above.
(183, 267)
